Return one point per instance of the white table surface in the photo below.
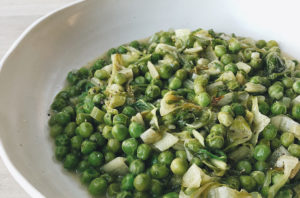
(15, 16)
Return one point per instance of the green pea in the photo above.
(232, 85)
(244, 166)
(58, 104)
(256, 63)
(165, 157)
(220, 50)
(142, 182)
(70, 129)
(88, 175)
(83, 117)
(261, 44)
(226, 59)
(284, 193)
(143, 151)
(136, 167)
(71, 161)
(258, 176)
(233, 182)
(148, 77)
(175, 83)
(203, 99)
(234, 45)
(113, 189)
(120, 119)
(63, 118)
(270, 132)
(276, 91)
(98, 186)
(61, 152)
(287, 139)
(261, 152)
(140, 80)
(277, 177)
(109, 156)
(296, 87)
(55, 130)
(193, 145)
(96, 158)
(83, 165)
(247, 182)
(141, 195)
(88, 146)
(238, 109)
(290, 93)
(275, 143)
(159, 171)
(124, 194)
(182, 74)
(215, 141)
(156, 187)
(294, 149)
(85, 129)
(272, 43)
(98, 138)
(120, 78)
(62, 140)
(129, 146)
(76, 142)
(107, 132)
(228, 109)
(287, 82)
(165, 71)
(231, 67)
(129, 111)
(278, 108)
(181, 154)
(127, 182)
(119, 132)
(296, 111)
(171, 195)
(261, 166)
(218, 129)
(134, 44)
(179, 166)
(113, 145)
(108, 119)
(152, 91)
(101, 74)
(136, 129)
(155, 57)
(264, 108)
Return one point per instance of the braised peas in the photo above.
(204, 87)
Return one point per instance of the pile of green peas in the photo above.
(84, 142)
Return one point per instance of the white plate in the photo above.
(35, 67)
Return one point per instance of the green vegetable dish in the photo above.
(183, 114)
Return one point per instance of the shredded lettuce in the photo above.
(168, 103)
(260, 120)
(284, 123)
(166, 142)
(288, 163)
(226, 192)
(138, 118)
(192, 177)
(243, 66)
(116, 166)
(150, 136)
(255, 88)
(153, 71)
(239, 133)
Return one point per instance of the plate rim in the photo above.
(18, 177)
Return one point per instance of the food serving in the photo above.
(184, 114)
